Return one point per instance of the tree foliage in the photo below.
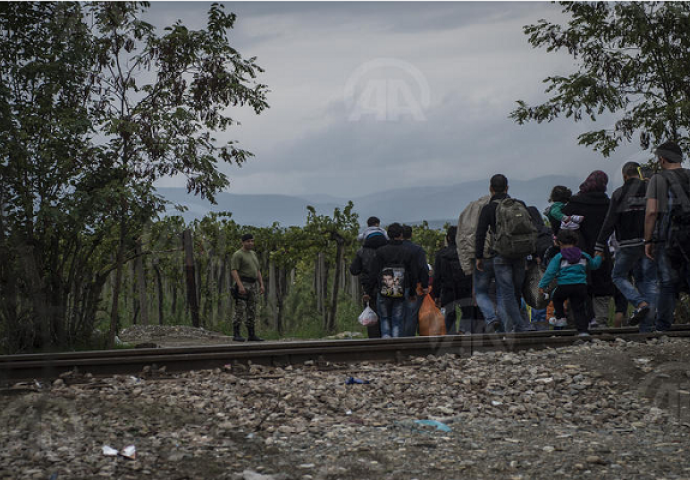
(95, 106)
(634, 63)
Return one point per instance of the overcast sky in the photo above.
(374, 96)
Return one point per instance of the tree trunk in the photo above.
(278, 311)
(116, 285)
(141, 284)
(208, 293)
(190, 275)
(340, 249)
(221, 286)
(272, 291)
(318, 283)
(159, 284)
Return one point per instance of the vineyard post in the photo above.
(190, 276)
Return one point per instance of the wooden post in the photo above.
(141, 284)
(340, 250)
(190, 275)
(159, 284)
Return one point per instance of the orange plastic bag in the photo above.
(431, 320)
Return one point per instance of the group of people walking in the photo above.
(633, 246)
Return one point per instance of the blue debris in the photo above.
(356, 381)
(433, 423)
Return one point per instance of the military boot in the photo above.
(236, 336)
(253, 337)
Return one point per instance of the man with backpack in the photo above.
(514, 237)
(395, 271)
(625, 217)
(667, 229)
(362, 264)
(451, 286)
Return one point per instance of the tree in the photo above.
(49, 198)
(161, 99)
(91, 115)
(634, 62)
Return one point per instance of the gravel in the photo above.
(596, 410)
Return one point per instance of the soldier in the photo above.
(244, 267)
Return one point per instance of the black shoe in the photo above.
(638, 315)
(236, 336)
(253, 337)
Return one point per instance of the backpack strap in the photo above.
(682, 193)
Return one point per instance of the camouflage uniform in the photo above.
(246, 307)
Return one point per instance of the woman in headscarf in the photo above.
(592, 203)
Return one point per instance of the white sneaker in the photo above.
(583, 334)
(558, 322)
(594, 324)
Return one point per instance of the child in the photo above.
(569, 267)
(560, 195)
(373, 236)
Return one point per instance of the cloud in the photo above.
(472, 57)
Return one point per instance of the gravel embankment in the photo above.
(595, 410)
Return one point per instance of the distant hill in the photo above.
(409, 205)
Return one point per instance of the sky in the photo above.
(367, 97)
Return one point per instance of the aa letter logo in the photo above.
(45, 423)
(387, 89)
(668, 387)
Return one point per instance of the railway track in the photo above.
(109, 362)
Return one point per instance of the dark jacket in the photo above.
(487, 222)
(395, 253)
(450, 282)
(420, 256)
(361, 266)
(625, 216)
(593, 206)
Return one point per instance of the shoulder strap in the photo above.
(679, 190)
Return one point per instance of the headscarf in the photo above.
(595, 182)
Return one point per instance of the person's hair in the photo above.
(387, 273)
(630, 169)
(407, 232)
(247, 236)
(670, 151)
(561, 194)
(499, 183)
(567, 237)
(450, 234)
(394, 230)
(373, 221)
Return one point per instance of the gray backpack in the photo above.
(516, 235)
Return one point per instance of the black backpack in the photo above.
(678, 236)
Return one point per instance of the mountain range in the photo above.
(436, 204)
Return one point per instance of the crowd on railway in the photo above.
(501, 257)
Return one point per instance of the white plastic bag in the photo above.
(368, 317)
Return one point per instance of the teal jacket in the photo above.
(569, 274)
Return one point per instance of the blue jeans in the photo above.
(411, 321)
(668, 276)
(510, 274)
(482, 281)
(644, 272)
(391, 315)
